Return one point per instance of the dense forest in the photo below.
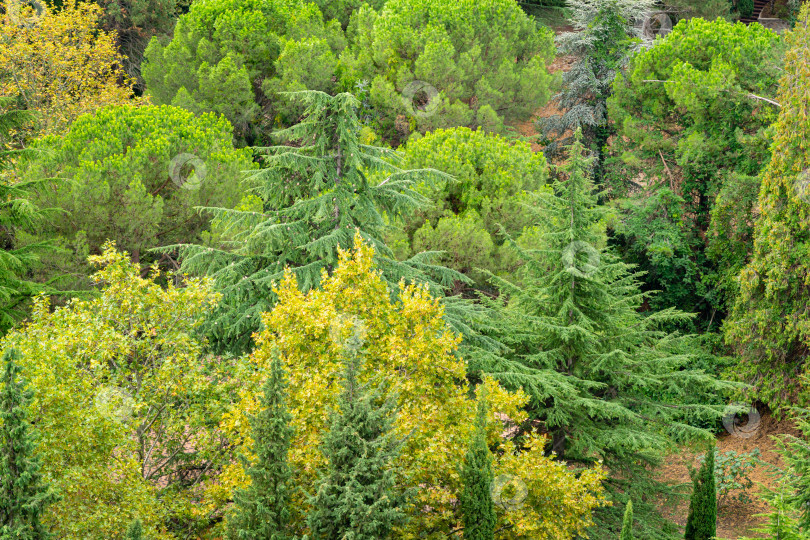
(412, 269)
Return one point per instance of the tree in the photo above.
(702, 521)
(476, 475)
(60, 66)
(769, 325)
(357, 495)
(133, 175)
(262, 509)
(135, 530)
(691, 123)
(315, 192)
(627, 522)
(599, 373)
(491, 176)
(225, 57)
(605, 32)
(129, 367)
(483, 62)
(408, 347)
(24, 493)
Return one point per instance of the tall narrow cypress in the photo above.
(477, 508)
(23, 492)
(702, 521)
(262, 511)
(135, 530)
(627, 523)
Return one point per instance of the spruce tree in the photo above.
(135, 530)
(606, 380)
(356, 496)
(627, 522)
(262, 509)
(23, 492)
(702, 521)
(476, 498)
(315, 192)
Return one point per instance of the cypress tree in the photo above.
(627, 522)
(23, 492)
(356, 495)
(702, 521)
(316, 192)
(135, 530)
(476, 498)
(262, 511)
(606, 379)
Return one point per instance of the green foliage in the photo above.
(24, 493)
(627, 522)
(745, 7)
(314, 195)
(135, 530)
(231, 57)
(342, 10)
(356, 496)
(485, 59)
(731, 471)
(121, 175)
(262, 509)
(486, 196)
(692, 141)
(769, 324)
(596, 369)
(604, 33)
(476, 500)
(702, 521)
(706, 9)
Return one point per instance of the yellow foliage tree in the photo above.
(408, 346)
(126, 404)
(59, 63)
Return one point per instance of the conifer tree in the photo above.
(476, 499)
(23, 492)
(356, 496)
(262, 511)
(627, 522)
(769, 325)
(314, 192)
(135, 530)
(606, 380)
(702, 521)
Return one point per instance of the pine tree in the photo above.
(702, 521)
(769, 325)
(476, 499)
(23, 492)
(262, 511)
(315, 192)
(135, 530)
(605, 33)
(356, 496)
(606, 380)
(627, 522)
